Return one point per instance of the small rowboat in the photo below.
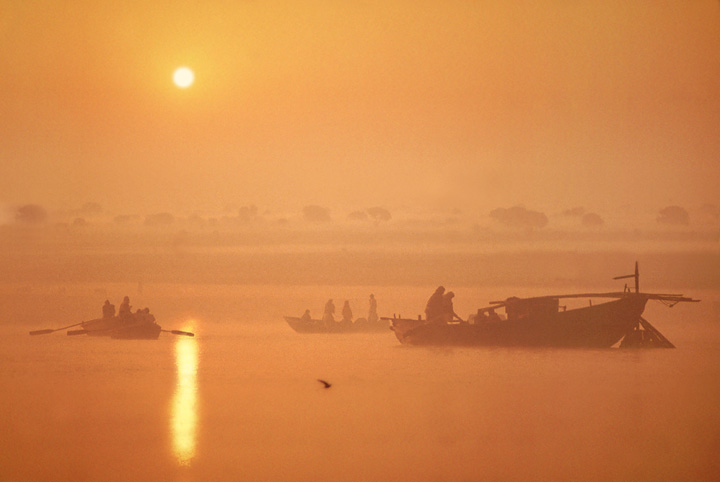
(139, 326)
(144, 330)
(101, 326)
(361, 325)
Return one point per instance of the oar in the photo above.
(50, 330)
(178, 332)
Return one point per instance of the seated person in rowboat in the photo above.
(125, 311)
(306, 317)
(142, 316)
(146, 316)
(347, 316)
(434, 307)
(108, 309)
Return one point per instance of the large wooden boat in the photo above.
(540, 321)
(361, 325)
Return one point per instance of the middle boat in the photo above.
(361, 325)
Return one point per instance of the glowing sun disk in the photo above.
(183, 77)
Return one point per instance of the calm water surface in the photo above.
(241, 402)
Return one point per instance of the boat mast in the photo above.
(636, 276)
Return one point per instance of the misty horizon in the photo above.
(307, 214)
(388, 105)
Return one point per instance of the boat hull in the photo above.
(317, 326)
(137, 331)
(599, 326)
(102, 326)
(118, 328)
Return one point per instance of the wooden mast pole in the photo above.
(637, 278)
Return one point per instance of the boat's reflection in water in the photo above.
(183, 418)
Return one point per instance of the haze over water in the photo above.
(228, 163)
(241, 399)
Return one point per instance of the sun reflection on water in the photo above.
(184, 404)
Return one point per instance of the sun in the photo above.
(183, 77)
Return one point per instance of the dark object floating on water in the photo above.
(138, 326)
(541, 322)
(326, 384)
(361, 325)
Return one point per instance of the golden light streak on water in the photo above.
(184, 404)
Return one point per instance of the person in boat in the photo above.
(108, 309)
(372, 312)
(480, 317)
(125, 311)
(448, 311)
(434, 307)
(347, 315)
(306, 318)
(147, 316)
(329, 314)
(492, 316)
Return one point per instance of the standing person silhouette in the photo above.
(329, 314)
(372, 312)
(347, 315)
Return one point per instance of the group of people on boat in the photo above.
(346, 321)
(439, 308)
(125, 312)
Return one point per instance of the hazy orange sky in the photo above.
(352, 104)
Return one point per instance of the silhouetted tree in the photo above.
(673, 215)
(316, 214)
(519, 217)
(31, 214)
(379, 214)
(247, 214)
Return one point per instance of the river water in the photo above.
(241, 400)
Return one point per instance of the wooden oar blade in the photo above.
(178, 332)
(41, 332)
(76, 332)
